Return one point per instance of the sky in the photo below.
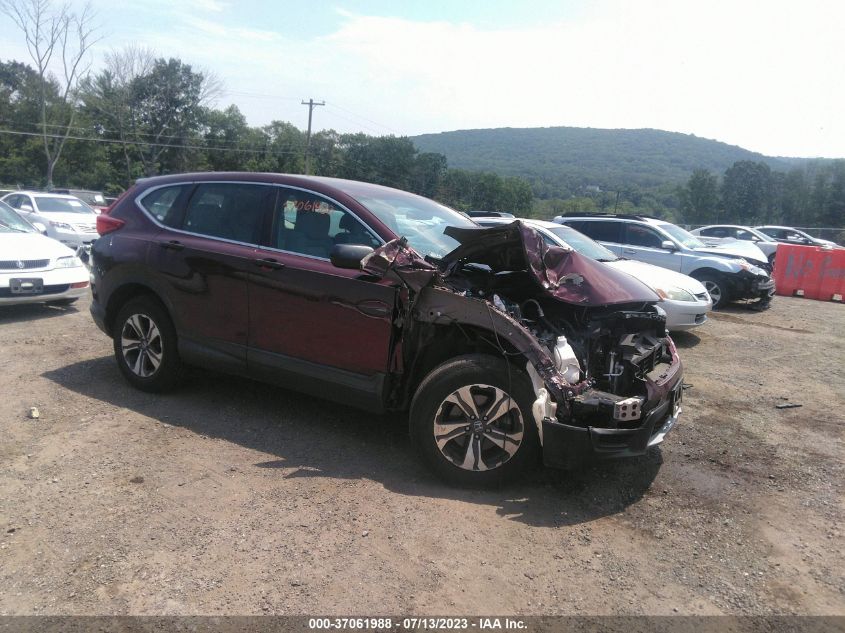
(767, 76)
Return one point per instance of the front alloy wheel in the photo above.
(478, 427)
(471, 421)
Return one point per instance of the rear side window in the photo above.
(598, 230)
(166, 204)
(231, 211)
(309, 224)
(715, 231)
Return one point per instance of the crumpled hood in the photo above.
(558, 272)
(738, 248)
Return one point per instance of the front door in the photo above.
(314, 327)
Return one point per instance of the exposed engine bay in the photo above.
(595, 341)
(613, 349)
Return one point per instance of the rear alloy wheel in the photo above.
(471, 421)
(145, 345)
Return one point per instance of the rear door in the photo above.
(318, 328)
(606, 232)
(203, 256)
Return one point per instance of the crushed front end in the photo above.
(606, 374)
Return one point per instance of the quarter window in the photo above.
(309, 224)
(231, 211)
(166, 204)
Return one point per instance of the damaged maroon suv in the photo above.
(498, 345)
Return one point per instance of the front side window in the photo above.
(231, 211)
(639, 235)
(308, 224)
(682, 236)
(747, 236)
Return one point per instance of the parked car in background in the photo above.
(684, 299)
(720, 233)
(94, 199)
(727, 271)
(789, 235)
(34, 268)
(66, 218)
(388, 301)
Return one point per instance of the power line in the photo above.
(358, 116)
(102, 129)
(146, 144)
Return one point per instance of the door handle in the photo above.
(629, 251)
(173, 245)
(269, 263)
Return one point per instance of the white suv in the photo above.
(727, 272)
(66, 218)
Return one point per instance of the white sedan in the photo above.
(684, 299)
(66, 218)
(35, 268)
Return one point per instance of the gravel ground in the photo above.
(232, 497)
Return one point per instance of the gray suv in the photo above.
(727, 272)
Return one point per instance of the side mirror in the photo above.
(668, 245)
(349, 255)
(26, 207)
(40, 228)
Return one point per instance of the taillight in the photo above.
(107, 224)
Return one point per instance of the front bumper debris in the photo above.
(568, 446)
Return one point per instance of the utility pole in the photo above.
(311, 105)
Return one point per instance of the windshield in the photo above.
(91, 198)
(583, 244)
(419, 219)
(51, 204)
(684, 237)
(11, 222)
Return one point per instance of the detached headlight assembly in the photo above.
(61, 225)
(675, 294)
(68, 262)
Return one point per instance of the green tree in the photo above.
(700, 198)
(747, 192)
(55, 35)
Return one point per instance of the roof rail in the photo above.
(626, 216)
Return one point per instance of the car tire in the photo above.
(145, 345)
(717, 287)
(449, 426)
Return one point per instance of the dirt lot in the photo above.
(238, 498)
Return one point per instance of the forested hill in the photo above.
(562, 161)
